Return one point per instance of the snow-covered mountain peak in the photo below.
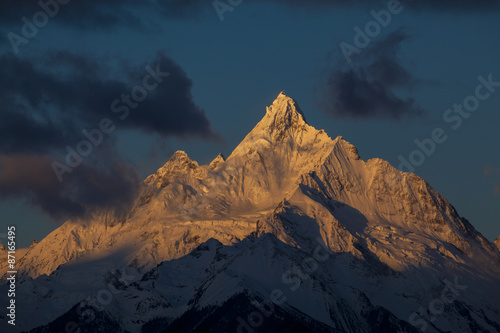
(285, 112)
(283, 125)
(497, 243)
(177, 166)
(179, 156)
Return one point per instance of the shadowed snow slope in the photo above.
(226, 235)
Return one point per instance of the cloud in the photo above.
(47, 103)
(170, 109)
(111, 187)
(372, 86)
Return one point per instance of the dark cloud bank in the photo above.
(370, 86)
(48, 102)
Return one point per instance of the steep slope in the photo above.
(268, 162)
(358, 206)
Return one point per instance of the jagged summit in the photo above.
(283, 122)
(219, 159)
(180, 160)
(178, 164)
(179, 155)
(285, 111)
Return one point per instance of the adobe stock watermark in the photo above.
(372, 29)
(222, 7)
(453, 116)
(121, 106)
(422, 317)
(30, 28)
(292, 277)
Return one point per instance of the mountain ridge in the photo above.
(257, 176)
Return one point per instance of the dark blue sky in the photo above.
(394, 91)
